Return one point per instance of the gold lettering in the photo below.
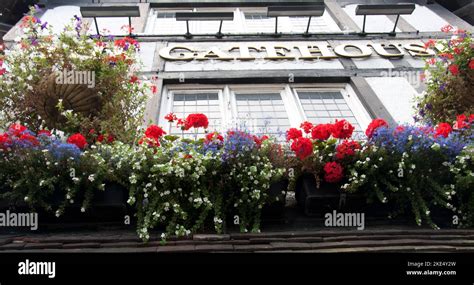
(381, 50)
(187, 54)
(365, 51)
(418, 50)
(215, 53)
(307, 52)
(276, 51)
(244, 51)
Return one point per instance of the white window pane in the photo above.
(326, 110)
(258, 23)
(323, 24)
(262, 117)
(206, 103)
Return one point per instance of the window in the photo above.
(256, 16)
(265, 109)
(262, 113)
(165, 15)
(258, 22)
(246, 20)
(206, 102)
(164, 22)
(323, 24)
(321, 107)
(161, 21)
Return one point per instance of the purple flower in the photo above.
(34, 41)
(43, 26)
(77, 18)
(442, 87)
(37, 8)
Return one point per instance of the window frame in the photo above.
(168, 102)
(355, 105)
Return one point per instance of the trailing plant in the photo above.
(449, 78)
(462, 188)
(71, 81)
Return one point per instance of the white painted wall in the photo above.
(397, 95)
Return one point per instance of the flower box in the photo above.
(114, 195)
(278, 190)
(318, 201)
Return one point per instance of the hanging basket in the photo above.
(76, 97)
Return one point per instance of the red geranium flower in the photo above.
(155, 132)
(443, 129)
(321, 132)
(446, 55)
(342, 129)
(454, 69)
(471, 64)
(214, 136)
(447, 28)
(306, 126)
(149, 141)
(260, 140)
(196, 121)
(346, 148)
(399, 129)
(432, 61)
(77, 139)
(44, 133)
(333, 172)
(293, 133)
(16, 129)
(171, 117)
(462, 121)
(181, 123)
(303, 147)
(133, 79)
(110, 138)
(4, 139)
(430, 43)
(457, 50)
(29, 138)
(375, 124)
